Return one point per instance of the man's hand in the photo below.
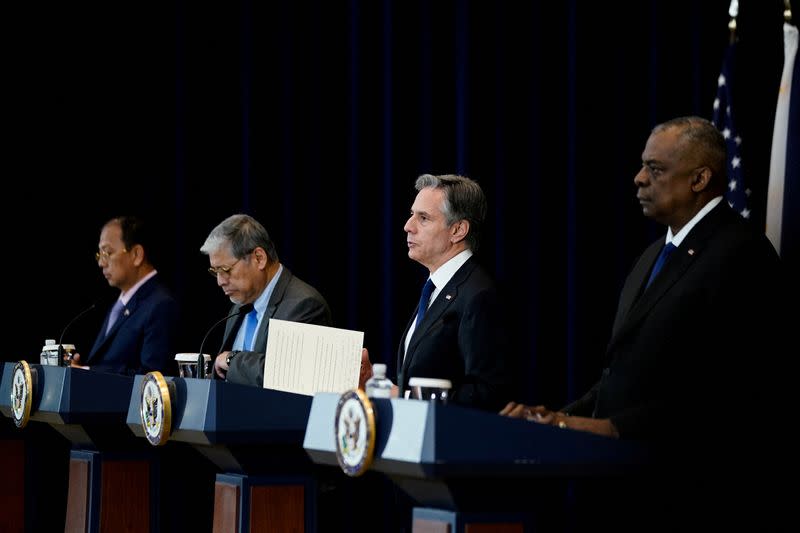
(366, 369)
(221, 364)
(75, 362)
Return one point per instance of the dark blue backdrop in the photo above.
(316, 117)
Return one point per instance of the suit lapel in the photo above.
(679, 263)
(277, 294)
(443, 301)
(633, 289)
(129, 309)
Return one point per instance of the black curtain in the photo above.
(317, 116)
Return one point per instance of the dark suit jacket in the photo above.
(143, 338)
(696, 338)
(292, 299)
(461, 339)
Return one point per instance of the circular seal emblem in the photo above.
(21, 393)
(155, 408)
(354, 428)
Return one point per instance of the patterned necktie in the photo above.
(114, 314)
(424, 299)
(662, 258)
(251, 321)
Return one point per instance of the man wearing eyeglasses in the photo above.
(245, 263)
(140, 331)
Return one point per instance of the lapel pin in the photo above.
(448, 296)
(126, 313)
(690, 251)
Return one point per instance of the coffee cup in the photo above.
(430, 389)
(187, 365)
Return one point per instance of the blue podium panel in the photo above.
(87, 407)
(452, 457)
(238, 427)
(207, 412)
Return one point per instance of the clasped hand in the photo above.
(539, 413)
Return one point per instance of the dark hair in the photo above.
(703, 139)
(463, 200)
(135, 231)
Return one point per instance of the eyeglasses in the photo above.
(104, 255)
(223, 270)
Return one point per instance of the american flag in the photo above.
(737, 194)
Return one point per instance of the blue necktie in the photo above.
(251, 321)
(114, 315)
(662, 258)
(424, 299)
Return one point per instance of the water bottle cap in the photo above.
(379, 369)
(51, 345)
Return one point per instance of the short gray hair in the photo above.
(463, 200)
(242, 234)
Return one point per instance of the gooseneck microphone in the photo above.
(63, 331)
(201, 367)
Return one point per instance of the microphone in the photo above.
(63, 331)
(201, 367)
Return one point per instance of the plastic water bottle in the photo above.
(49, 355)
(378, 386)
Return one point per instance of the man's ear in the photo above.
(459, 231)
(137, 251)
(701, 179)
(262, 259)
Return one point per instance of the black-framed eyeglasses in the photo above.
(105, 255)
(224, 270)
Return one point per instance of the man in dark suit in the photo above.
(460, 337)
(713, 303)
(245, 263)
(140, 331)
(691, 366)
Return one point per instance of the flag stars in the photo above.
(736, 195)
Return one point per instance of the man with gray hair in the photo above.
(245, 263)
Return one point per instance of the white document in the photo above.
(306, 358)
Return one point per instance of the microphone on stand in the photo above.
(201, 367)
(61, 338)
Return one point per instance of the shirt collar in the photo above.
(677, 239)
(127, 295)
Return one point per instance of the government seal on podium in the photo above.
(155, 408)
(21, 393)
(354, 428)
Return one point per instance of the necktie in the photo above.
(424, 299)
(114, 315)
(251, 321)
(662, 257)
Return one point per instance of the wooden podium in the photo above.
(110, 471)
(470, 470)
(254, 437)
